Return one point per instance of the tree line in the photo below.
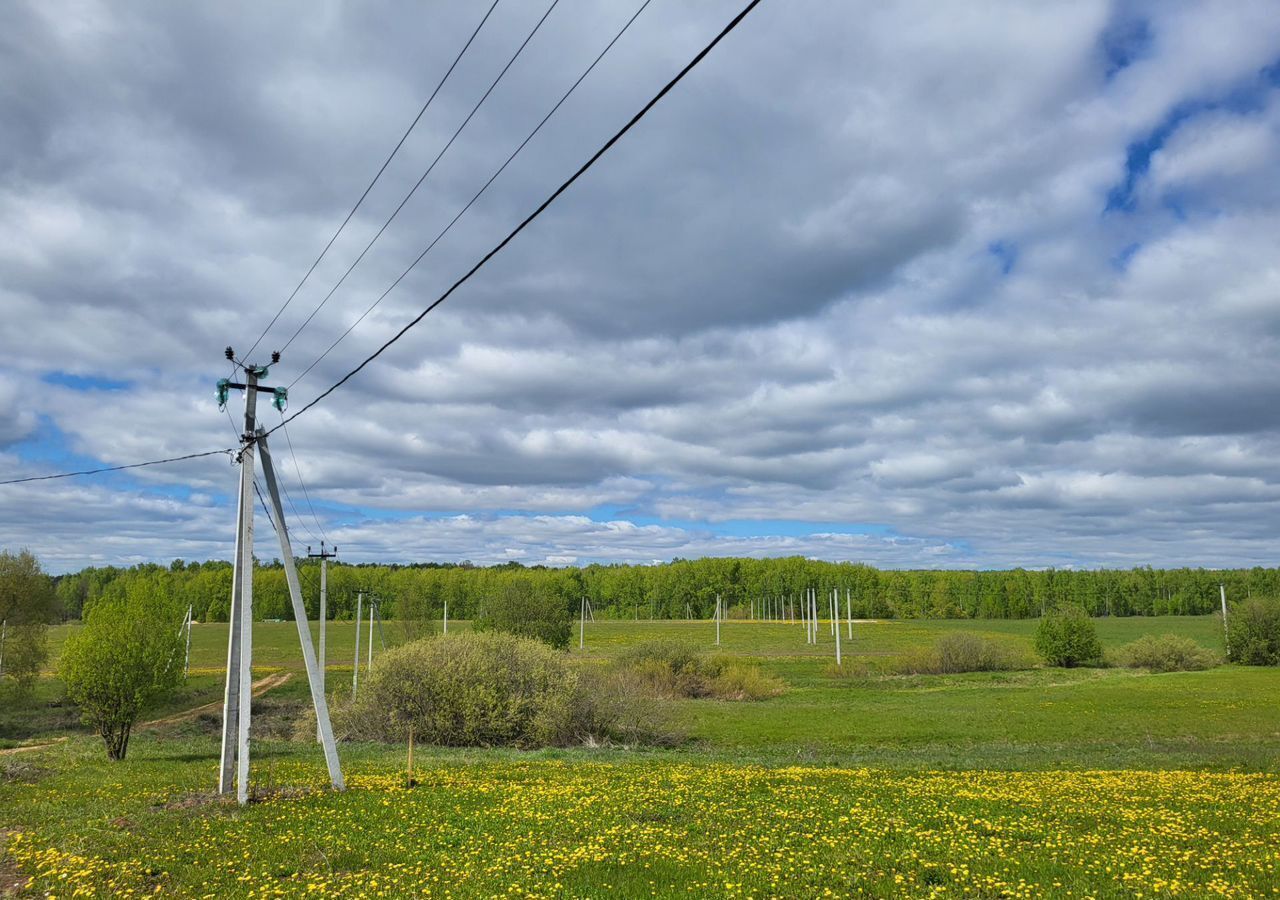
(687, 588)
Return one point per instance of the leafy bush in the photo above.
(742, 681)
(676, 670)
(488, 690)
(529, 609)
(1167, 653)
(1067, 637)
(961, 651)
(1253, 632)
(127, 655)
(27, 605)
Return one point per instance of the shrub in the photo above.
(126, 655)
(469, 690)
(957, 652)
(1067, 637)
(677, 670)
(1253, 632)
(27, 605)
(529, 609)
(741, 681)
(1167, 653)
(488, 690)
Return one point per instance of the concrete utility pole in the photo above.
(186, 665)
(373, 608)
(582, 623)
(848, 611)
(355, 672)
(1222, 593)
(324, 557)
(237, 695)
(4, 633)
(446, 617)
(835, 604)
(718, 614)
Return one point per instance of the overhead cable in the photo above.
(733, 23)
(382, 169)
(423, 178)
(484, 187)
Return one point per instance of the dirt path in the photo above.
(14, 751)
(260, 687)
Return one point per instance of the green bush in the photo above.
(491, 690)
(1253, 632)
(960, 651)
(1067, 637)
(1167, 653)
(468, 690)
(126, 655)
(677, 670)
(529, 609)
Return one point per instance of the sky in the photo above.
(912, 284)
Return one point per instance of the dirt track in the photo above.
(260, 687)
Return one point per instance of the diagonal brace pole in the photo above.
(300, 617)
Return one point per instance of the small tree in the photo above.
(1067, 637)
(127, 654)
(1253, 632)
(28, 603)
(529, 609)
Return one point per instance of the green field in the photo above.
(1044, 782)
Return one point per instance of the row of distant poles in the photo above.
(771, 609)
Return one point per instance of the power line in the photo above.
(733, 23)
(305, 493)
(387, 162)
(428, 171)
(152, 462)
(484, 188)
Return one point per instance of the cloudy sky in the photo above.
(915, 284)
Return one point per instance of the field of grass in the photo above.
(1043, 782)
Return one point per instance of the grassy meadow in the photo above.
(1040, 782)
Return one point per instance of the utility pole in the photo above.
(237, 695)
(1222, 593)
(835, 604)
(324, 556)
(446, 617)
(4, 633)
(355, 671)
(373, 608)
(186, 665)
(718, 614)
(582, 623)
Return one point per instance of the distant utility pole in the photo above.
(582, 623)
(237, 696)
(186, 665)
(718, 615)
(446, 617)
(4, 633)
(324, 556)
(835, 606)
(1222, 593)
(355, 671)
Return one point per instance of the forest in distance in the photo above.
(688, 588)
